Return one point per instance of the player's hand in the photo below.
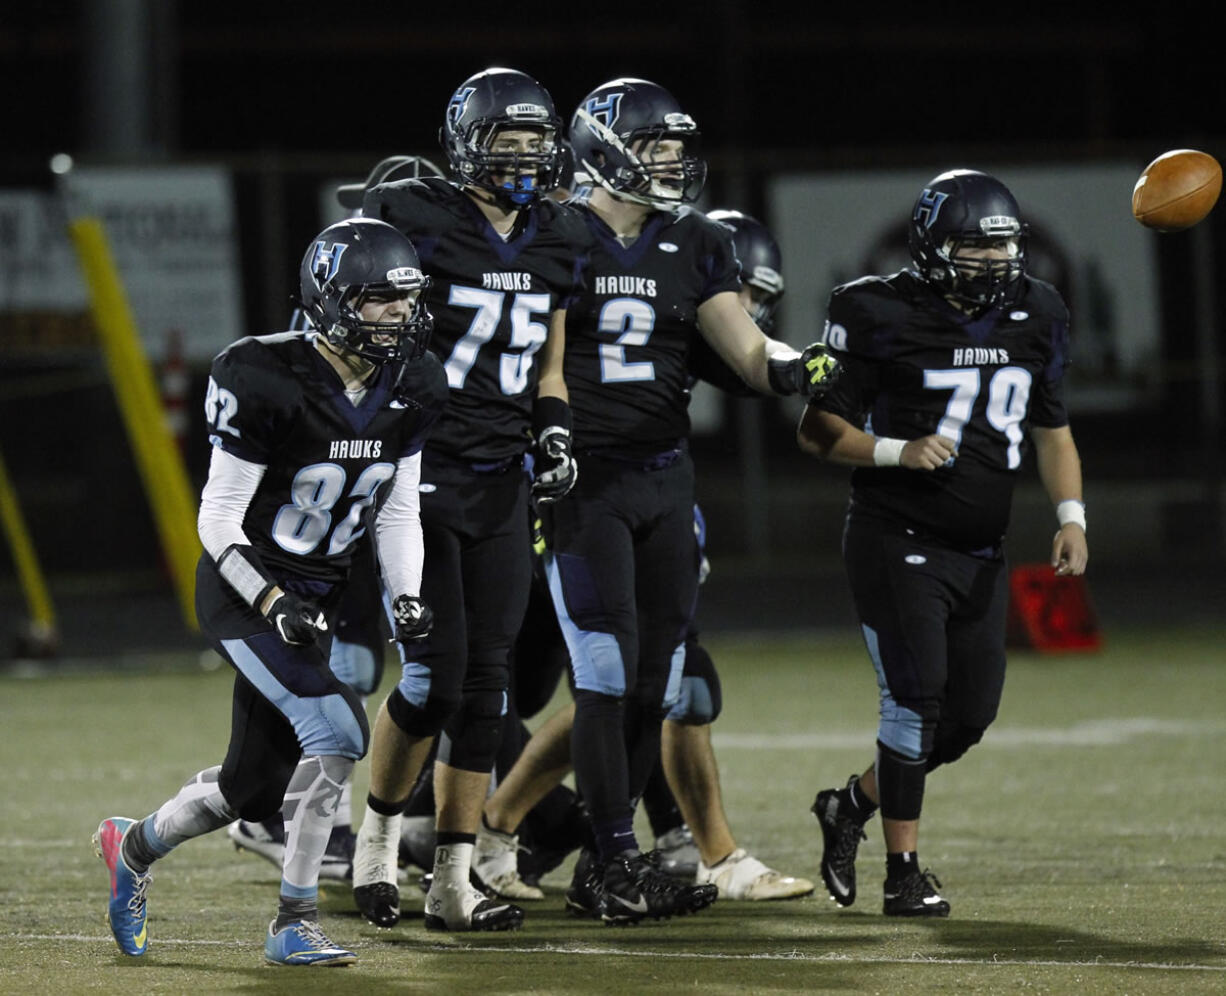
(1069, 551)
(297, 621)
(412, 618)
(554, 468)
(818, 370)
(928, 453)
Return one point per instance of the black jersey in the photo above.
(273, 400)
(491, 300)
(629, 336)
(913, 365)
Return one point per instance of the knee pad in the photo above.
(702, 698)
(906, 727)
(261, 802)
(426, 720)
(355, 664)
(339, 727)
(900, 783)
(951, 743)
(474, 732)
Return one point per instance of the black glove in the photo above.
(296, 621)
(412, 617)
(554, 469)
(810, 374)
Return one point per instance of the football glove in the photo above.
(554, 468)
(810, 374)
(297, 622)
(412, 617)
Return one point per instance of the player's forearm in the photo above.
(1059, 463)
(829, 437)
(228, 492)
(398, 537)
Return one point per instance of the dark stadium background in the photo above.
(287, 95)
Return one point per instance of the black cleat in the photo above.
(586, 890)
(636, 888)
(468, 909)
(915, 895)
(379, 903)
(841, 836)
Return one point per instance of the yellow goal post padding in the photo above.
(158, 459)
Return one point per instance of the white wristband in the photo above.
(1071, 510)
(888, 452)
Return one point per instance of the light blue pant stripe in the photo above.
(324, 724)
(596, 658)
(672, 691)
(899, 728)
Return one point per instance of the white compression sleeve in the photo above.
(223, 503)
(398, 531)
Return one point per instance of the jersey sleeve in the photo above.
(849, 336)
(244, 406)
(721, 270)
(422, 387)
(1047, 409)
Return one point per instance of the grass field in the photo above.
(1081, 845)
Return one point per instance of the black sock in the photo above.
(137, 854)
(294, 910)
(899, 866)
(384, 808)
(446, 838)
(861, 806)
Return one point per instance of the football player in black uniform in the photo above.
(317, 440)
(358, 638)
(504, 263)
(622, 558)
(952, 371)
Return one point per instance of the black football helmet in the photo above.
(481, 106)
(615, 133)
(758, 254)
(964, 209)
(347, 264)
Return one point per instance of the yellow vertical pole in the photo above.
(158, 459)
(29, 574)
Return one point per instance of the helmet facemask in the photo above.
(658, 166)
(338, 316)
(983, 281)
(516, 177)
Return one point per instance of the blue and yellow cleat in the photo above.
(126, 909)
(303, 943)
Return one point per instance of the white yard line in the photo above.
(1087, 733)
(600, 951)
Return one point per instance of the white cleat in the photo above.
(742, 876)
(465, 908)
(495, 863)
(374, 869)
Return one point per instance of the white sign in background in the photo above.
(173, 236)
(835, 227)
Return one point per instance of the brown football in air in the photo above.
(1176, 190)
